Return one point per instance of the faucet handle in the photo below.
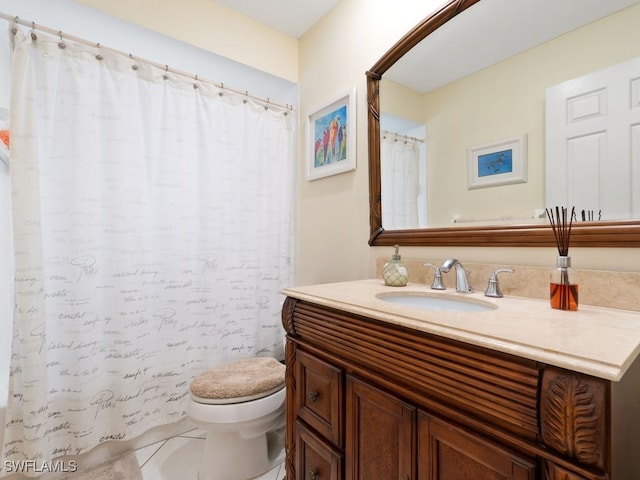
(493, 288)
(438, 282)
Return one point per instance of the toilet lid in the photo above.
(239, 381)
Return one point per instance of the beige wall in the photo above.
(334, 56)
(402, 102)
(213, 27)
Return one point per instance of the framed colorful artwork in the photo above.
(498, 163)
(331, 138)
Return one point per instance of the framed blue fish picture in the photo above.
(498, 163)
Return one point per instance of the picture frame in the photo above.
(498, 163)
(331, 137)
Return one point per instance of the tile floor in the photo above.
(177, 459)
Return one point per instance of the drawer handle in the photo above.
(313, 396)
(313, 475)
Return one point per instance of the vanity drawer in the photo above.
(316, 460)
(318, 395)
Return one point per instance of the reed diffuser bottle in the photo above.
(563, 285)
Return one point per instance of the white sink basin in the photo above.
(446, 303)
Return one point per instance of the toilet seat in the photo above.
(236, 413)
(226, 401)
(238, 382)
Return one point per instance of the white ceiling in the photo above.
(505, 27)
(491, 31)
(292, 17)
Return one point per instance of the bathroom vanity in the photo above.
(386, 391)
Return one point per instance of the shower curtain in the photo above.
(399, 178)
(152, 218)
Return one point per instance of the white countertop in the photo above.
(598, 341)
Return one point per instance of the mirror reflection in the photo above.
(511, 107)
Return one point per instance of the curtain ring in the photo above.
(195, 85)
(98, 55)
(134, 66)
(34, 37)
(165, 76)
(61, 44)
(14, 27)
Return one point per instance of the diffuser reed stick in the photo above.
(561, 227)
(563, 287)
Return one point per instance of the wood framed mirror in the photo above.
(605, 233)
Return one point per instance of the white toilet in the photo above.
(241, 406)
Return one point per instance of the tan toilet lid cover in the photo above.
(239, 381)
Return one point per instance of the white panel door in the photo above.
(593, 142)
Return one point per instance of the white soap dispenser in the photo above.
(395, 272)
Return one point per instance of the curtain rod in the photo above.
(405, 137)
(265, 101)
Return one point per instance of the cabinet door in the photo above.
(316, 459)
(318, 396)
(446, 452)
(379, 431)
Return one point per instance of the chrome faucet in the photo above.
(438, 282)
(493, 288)
(462, 275)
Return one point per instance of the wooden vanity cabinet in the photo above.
(449, 452)
(367, 399)
(319, 395)
(381, 423)
(315, 458)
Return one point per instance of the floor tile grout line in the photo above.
(195, 437)
(155, 451)
(277, 469)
